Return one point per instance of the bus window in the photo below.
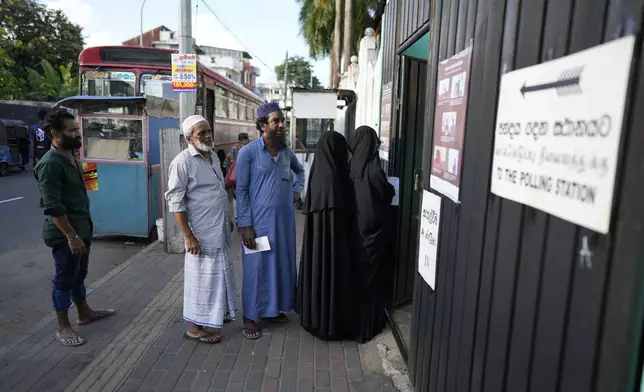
(108, 84)
(221, 103)
(113, 139)
(155, 81)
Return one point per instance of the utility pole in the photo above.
(187, 100)
(171, 139)
(286, 80)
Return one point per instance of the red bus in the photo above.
(229, 107)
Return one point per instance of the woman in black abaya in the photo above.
(325, 279)
(373, 256)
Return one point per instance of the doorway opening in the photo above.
(408, 162)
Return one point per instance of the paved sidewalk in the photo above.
(142, 347)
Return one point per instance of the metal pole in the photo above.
(171, 138)
(141, 37)
(187, 100)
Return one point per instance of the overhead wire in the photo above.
(234, 35)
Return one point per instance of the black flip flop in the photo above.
(251, 333)
(281, 319)
(203, 339)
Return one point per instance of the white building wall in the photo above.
(364, 77)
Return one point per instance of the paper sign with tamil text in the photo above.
(184, 72)
(558, 131)
(430, 219)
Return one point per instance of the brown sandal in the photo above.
(98, 315)
(206, 339)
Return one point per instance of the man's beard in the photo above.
(71, 143)
(202, 146)
(279, 140)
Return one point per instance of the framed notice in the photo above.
(428, 239)
(558, 130)
(449, 124)
(385, 120)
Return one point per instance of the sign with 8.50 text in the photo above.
(558, 132)
(184, 72)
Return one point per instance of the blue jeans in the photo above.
(69, 280)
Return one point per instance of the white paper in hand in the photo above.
(262, 246)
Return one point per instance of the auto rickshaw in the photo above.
(14, 145)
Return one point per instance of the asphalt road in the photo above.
(26, 264)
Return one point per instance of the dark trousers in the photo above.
(69, 280)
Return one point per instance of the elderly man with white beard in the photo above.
(198, 200)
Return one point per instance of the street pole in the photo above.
(187, 100)
(171, 139)
(141, 37)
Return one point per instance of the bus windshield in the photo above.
(158, 84)
(153, 79)
(108, 83)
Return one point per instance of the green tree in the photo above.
(52, 84)
(320, 18)
(10, 87)
(300, 72)
(30, 33)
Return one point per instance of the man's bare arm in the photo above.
(63, 225)
(182, 222)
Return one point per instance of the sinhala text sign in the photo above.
(430, 221)
(558, 131)
(184, 72)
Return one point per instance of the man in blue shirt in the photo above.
(40, 143)
(265, 196)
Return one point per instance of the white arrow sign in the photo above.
(558, 130)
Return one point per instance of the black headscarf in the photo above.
(364, 146)
(329, 184)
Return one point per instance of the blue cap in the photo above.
(267, 108)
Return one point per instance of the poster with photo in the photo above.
(449, 124)
(385, 120)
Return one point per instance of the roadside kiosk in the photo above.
(314, 112)
(121, 160)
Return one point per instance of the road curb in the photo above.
(45, 321)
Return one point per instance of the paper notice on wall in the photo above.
(395, 181)
(385, 120)
(449, 124)
(430, 218)
(90, 176)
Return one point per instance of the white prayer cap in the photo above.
(189, 123)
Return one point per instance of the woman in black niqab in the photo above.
(325, 279)
(373, 195)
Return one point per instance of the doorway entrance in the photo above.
(408, 163)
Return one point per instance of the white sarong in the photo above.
(209, 291)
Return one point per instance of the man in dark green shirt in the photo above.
(68, 226)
